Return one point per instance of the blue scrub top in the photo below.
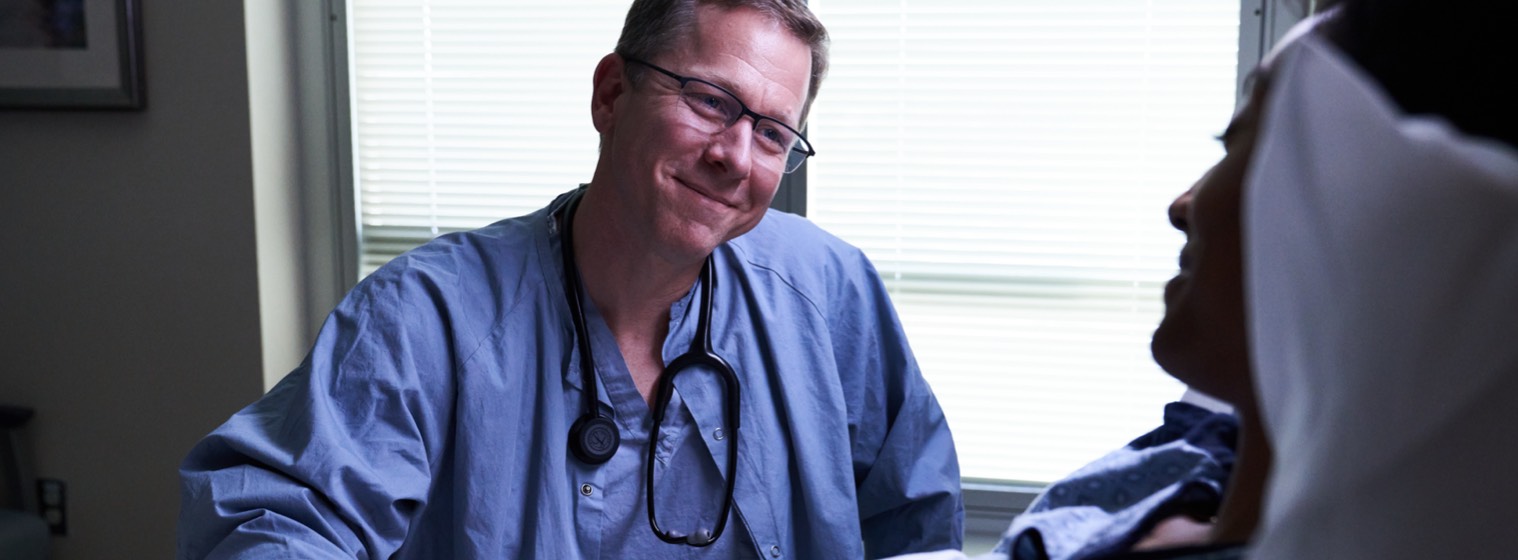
(431, 418)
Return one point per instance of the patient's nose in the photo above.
(1179, 208)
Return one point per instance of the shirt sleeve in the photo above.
(337, 458)
(905, 465)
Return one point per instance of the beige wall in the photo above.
(129, 292)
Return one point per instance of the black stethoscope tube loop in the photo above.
(700, 354)
(594, 437)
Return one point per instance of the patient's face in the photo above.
(1201, 341)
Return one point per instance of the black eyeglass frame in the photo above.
(743, 111)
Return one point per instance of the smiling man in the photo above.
(654, 365)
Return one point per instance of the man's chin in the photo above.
(1165, 346)
(690, 242)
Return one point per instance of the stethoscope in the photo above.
(594, 438)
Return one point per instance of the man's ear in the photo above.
(608, 87)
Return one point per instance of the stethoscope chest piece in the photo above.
(594, 439)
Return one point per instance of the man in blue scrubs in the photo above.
(432, 417)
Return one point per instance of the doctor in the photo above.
(652, 366)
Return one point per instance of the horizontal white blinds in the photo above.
(1007, 165)
(470, 111)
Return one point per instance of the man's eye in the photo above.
(775, 137)
(711, 105)
(711, 101)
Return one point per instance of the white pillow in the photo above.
(1382, 279)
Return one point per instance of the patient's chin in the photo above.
(1202, 363)
(1167, 346)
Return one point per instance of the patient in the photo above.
(1373, 169)
(1347, 284)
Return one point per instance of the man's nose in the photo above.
(731, 149)
(1179, 209)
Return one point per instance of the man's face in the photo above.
(1202, 338)
(683, 190)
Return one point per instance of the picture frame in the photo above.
(71, 54)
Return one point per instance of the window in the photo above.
(1006, 164)
(467, 112)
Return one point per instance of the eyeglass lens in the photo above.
(721, 110)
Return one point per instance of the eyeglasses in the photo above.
(719, 109)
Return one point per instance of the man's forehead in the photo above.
(730, 46)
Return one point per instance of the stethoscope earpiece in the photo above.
(701, 537)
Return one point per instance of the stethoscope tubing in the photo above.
(593, 437)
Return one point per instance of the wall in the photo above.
(129, 295)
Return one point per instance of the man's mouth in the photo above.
(705, 193)
(1173, 287)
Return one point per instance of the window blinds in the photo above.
(469, 111)
(1006, 164)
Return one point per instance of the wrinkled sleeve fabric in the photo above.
(905, 465)
(1109, 504)
(339, 456)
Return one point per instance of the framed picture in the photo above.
(71, 54)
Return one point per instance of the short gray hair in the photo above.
(654, 26)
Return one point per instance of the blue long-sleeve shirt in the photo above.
(431, 418)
